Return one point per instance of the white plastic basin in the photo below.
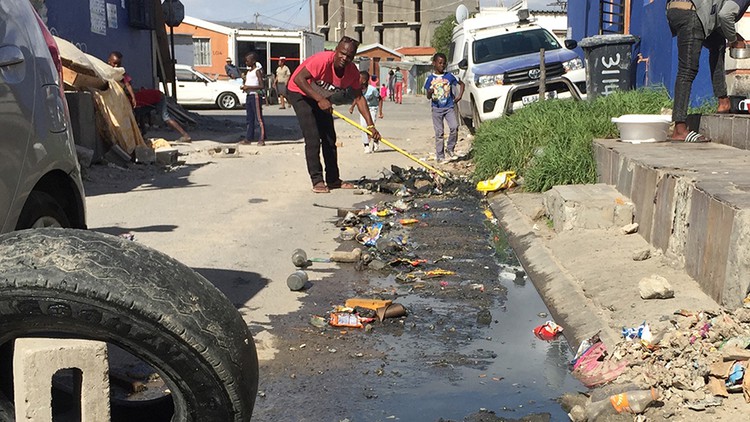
(637, 128)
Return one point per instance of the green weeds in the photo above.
(550, 143)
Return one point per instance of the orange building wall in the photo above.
(219, 47)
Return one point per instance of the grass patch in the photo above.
(549, 142)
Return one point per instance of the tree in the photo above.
(441, 38)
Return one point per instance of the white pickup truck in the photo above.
(497, 55)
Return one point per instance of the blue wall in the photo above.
(649, 22)
(71, 20)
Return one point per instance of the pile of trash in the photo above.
(693, 360)
(414, 182)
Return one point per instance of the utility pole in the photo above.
(256, 19)
(342, 18)
(312, 22)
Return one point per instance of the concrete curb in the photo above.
(561, 293)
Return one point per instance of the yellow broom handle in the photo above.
(397, 149)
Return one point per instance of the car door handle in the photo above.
(181, 86)
(10, 55)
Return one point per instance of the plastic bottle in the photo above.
(635, 401)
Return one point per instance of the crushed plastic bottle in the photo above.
(635, 401)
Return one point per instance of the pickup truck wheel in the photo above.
(227, 101)
(65, 283)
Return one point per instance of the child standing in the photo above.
(383, 91)
(439, 89)
(374, 104)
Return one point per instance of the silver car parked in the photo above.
(40, 179)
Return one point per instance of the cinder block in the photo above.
(36, 360)
(739, 132)
(663, 211)
(587, 207)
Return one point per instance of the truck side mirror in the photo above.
(570, 44)
(463, 64)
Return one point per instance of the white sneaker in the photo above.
(367, 149)
(375, 146)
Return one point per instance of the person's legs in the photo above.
(716, 44)
(452, 120)
(282, 94)
(304, 109)
(261, 124)
(161, 107)
(399, 94)
(365, 138)
(374, 117)
(250, 105)
(437, 124)
(328, 144)
(686, 25)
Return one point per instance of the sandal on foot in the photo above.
(341, 185)
(320, 187)
(695, 137)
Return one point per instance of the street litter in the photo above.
(408, 221)
(297, 280)
(628, 402)
(547, 331)
(128, 236)
(502, 180)
(373, 304)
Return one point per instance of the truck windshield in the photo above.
(513, 44)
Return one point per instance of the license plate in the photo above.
(532, 98)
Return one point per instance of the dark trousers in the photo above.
(254, 114)
(688, 29)
(319, 133)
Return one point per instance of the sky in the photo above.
(282, 13)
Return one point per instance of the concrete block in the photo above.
(737, 281)
(643, 191)
(587, 207)
(724, 135)
(661, 230)
(36, 360)
(144, 155)
(604, 164)
(739, 132)
(166, 155)
(624, 175)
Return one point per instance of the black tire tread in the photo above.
(141, 282)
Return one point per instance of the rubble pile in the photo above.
(414, 182)
(695, 359)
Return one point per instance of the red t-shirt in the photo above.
(147, 97)
(321, 69)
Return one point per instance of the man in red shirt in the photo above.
(154, 98)
(315, 84)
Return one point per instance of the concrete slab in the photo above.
(597, 206)
(687, 197)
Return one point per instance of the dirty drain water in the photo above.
(466, 344)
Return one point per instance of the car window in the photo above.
(452, 52)
(513, 44)
(186, 76)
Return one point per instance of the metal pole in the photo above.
(542, 77)
(312, 22)
(174, 60)
(342, 19)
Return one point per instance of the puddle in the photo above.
(451, 365)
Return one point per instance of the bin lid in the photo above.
(607, 39)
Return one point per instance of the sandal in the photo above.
(341, 185)
(693, 137)
(320, 187)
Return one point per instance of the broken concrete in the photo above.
(587, 207)
(655, 287)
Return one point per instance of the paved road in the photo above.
(236, 220)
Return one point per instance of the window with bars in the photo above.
(202, 51)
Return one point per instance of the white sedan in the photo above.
(195, 88)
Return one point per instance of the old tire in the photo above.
(79, 284)
(227, 101)
(41, 210)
